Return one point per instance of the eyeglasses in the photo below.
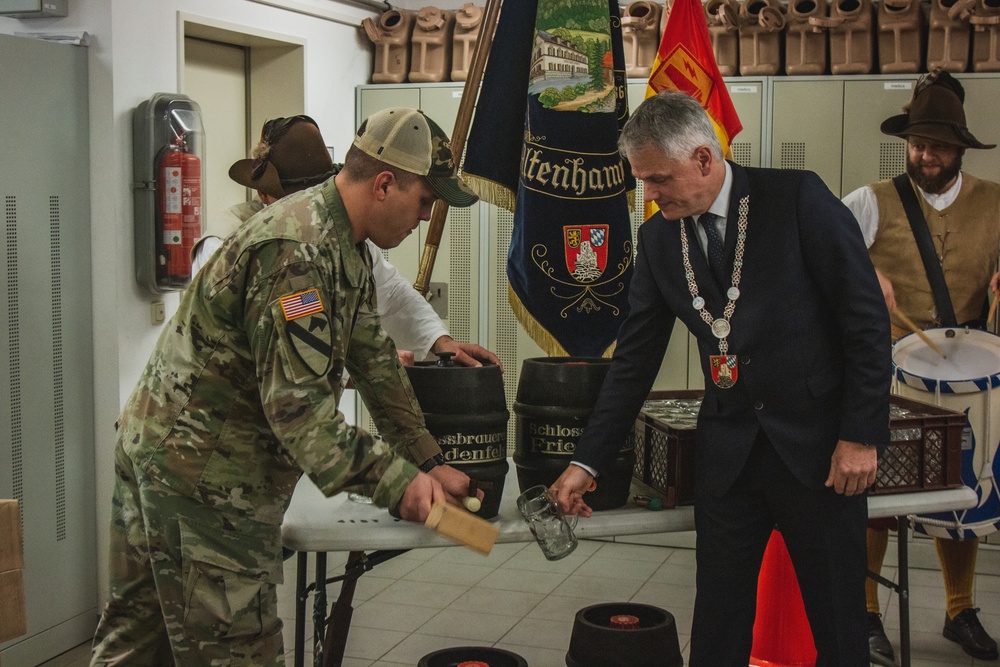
(273, 130)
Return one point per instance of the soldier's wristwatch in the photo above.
(431, 463)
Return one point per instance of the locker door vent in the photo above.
(741, 153)
(793, 155)
(891, 159)
(506, 338)
(14, 354)
(638, 215)
(459, 274)
(58, 403)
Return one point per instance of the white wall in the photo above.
(133, 54)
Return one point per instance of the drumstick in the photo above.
(993, 308)
(915, 329)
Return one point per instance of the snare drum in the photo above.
(964, 381)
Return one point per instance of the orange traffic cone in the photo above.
(781, 634)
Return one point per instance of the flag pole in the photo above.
(458, 135)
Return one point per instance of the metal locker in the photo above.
(866, 104)
(981, 93)
(46, 397)
(807, 127)
(748, 96)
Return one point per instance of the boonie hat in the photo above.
(935, 112)
(291, 156)
(409, 140)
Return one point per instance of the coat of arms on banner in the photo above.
(586, 251)
(548, 152)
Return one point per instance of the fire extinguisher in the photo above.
(179, 184)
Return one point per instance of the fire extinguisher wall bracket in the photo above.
(168, 148)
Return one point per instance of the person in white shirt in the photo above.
(292, 156)
(962, 215)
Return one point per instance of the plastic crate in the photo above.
(925, 448)
(924, 452)
(664, 449)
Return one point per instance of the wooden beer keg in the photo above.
(555, 397)
(465, 409)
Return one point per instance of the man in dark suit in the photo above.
(769, 272)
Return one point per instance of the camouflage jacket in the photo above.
(240, 395)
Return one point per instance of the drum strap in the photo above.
(922, 235)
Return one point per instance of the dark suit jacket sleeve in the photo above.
(836, 259)
(642, 342)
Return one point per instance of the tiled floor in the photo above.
(514, 599)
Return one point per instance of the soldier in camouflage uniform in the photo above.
(240, 397)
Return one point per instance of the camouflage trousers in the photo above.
(189, 585)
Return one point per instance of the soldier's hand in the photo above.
(466, 354)
(422, 492)
(405, 357)
(454, 482)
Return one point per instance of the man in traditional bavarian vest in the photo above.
(962, 214)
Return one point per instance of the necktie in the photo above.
(716, 259)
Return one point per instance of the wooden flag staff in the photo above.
(458, 135)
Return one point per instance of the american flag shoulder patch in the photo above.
(301, 304)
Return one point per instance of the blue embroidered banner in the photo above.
(544, 145)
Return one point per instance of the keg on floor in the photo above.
(555, 397)
(466, 411)
(624, 634)
(472, 656)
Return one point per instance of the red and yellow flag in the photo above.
(685, 61)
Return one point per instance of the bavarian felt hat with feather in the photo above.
(935, 113)
(291, 156)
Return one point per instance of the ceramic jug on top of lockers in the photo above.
(468, 23)
(761, 23)
(391, 37)
(985, 22)
(430, 46)
(852, 36)
(640, 37)
(722, 17)
(805, 40)
(900, 36)
(949, 35)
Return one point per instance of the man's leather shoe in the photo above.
(877, 641)
(965, 629)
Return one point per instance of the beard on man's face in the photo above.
(934, 184)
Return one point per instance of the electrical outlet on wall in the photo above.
(437, 296)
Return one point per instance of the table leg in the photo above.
(302, 563)
(903, 558)
(319, 609)
(339, 623)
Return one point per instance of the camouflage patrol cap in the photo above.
(409, 140)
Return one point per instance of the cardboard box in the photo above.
(11, 552)
(13, 622)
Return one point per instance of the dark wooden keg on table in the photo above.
(466, 411)
(555, 397)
